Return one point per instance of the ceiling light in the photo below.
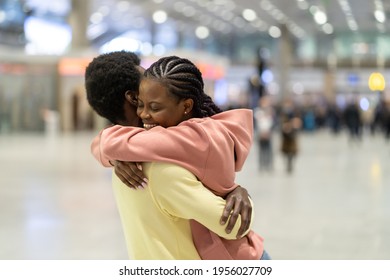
(320, 17)
(380, 16)
(202, 32)
(327, 28)
(274, 32)
(121, 43)
(303, 5)
(352, 24)
(160, 17)
(96, 18)
(267, 6)
(249, 14)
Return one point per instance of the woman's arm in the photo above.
(158, 144)
(130, 173)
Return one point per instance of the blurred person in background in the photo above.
(112, 70)
(290, 124)
(353, 120)
(334, 118)
(377, 120)
(309, 123)
(386, 119)
(264, 123)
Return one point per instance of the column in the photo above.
(78, 20)
(285, 60)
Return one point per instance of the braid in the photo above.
(184, 80)
(209, 106)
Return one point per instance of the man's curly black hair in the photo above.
(107, 78)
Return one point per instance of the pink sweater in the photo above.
(212, 148)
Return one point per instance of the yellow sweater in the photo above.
(156, 220)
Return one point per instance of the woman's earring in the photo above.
(185, 112)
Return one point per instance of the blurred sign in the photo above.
(353, 79)
(73, 66)
(376, 82)
(209, 71)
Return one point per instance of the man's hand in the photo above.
(130, 173)
(237, 202)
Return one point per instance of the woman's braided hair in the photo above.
(184, 80)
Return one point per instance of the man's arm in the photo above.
(181, 195)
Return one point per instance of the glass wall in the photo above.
(26, 92)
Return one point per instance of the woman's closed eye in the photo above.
(151, 107)
(155, 108)
(140, 104)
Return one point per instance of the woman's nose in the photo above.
(144, 114)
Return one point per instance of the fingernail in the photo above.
(144, 184)
(140, 187)
(146, 180)
(228, 230)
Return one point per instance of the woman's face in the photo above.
(157, 107)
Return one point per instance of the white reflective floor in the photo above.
(56, 201)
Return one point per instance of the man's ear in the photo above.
(131, 97)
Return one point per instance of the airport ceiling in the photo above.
(221, 17)
(226, 16)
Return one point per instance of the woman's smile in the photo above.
(149, 126)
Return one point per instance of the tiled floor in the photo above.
(56, 201)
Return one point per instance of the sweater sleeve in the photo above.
(111, 142)
(187, 146)
(96, 150)
(180, 195)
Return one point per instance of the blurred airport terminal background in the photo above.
(321, 64)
